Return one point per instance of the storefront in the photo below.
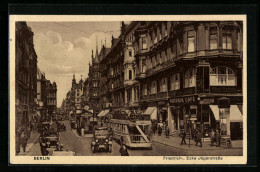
(227, 117)
(183, 113)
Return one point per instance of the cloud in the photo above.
(61, 59)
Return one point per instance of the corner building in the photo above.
(190, 74)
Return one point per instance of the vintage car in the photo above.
(66, 117)
(61, 127)
(52, 141)
(101, 140)
(73, 124)
(45, 126)
(60, 118)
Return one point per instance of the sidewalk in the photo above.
(82, 137)
(175, 141)
(31, 141)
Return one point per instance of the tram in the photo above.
(132, 130)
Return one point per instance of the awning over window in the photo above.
(105, 113)
(215, 110)
(235, 114)
(151, 111)
(101, 113)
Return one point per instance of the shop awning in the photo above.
(71, 112)
(151, 111)
(101, 113)
(235, 114)
(215, 110)
(105, 113)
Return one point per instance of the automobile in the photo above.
(60, 118)
(73, 124)
(61, 126)
(66, 117)
(101, 140)
(45, 126)
(52, 141)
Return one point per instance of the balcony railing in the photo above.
(160, 95)
(160, 67)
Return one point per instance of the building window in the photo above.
(154, 87)
(144, 44)
(144, 89)
(130, 53)
(226, 39)
(191, 41)
(175, 82)
(190, 78)
(130, 74)
(163, 85)
(143, 65)
(213, 38)
(222, 76)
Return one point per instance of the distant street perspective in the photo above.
(139, 88)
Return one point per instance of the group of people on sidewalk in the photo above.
(159, 128)
(197, 137)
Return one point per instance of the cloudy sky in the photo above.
(64, 49)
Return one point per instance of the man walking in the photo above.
(159, 130)
(123, 150)
(198, 138)
(17, 144)
(212, 137)
(218, 137)
(167, 131)
(23, 139)
(183, 135)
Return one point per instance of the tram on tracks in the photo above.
(133, 130)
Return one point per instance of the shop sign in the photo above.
(161, 103)
(180, 100)
(207, 101)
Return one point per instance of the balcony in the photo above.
(160, 67)
(224, 89)
(161, 95)
(140, 75)
(130, 82)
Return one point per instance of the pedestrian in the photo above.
(167, 131)
(121, 140)
(28, 131)
(212, 137)
(17, 144)
(154, 129)
(198, 138)
(183, 136)
(218, 137)
(31, 125)
(159, 130)
(23, 139)
(123, 150)
(150, 133)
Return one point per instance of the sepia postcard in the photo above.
(128, 89)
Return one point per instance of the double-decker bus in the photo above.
(133, 130)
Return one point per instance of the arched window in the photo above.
(222, 76)
(163, 85)
(175, 82)
(190, 78)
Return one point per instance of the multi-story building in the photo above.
(41, 94)
(25, 75)
(51, 91)
(94, 78)
(193, 74)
